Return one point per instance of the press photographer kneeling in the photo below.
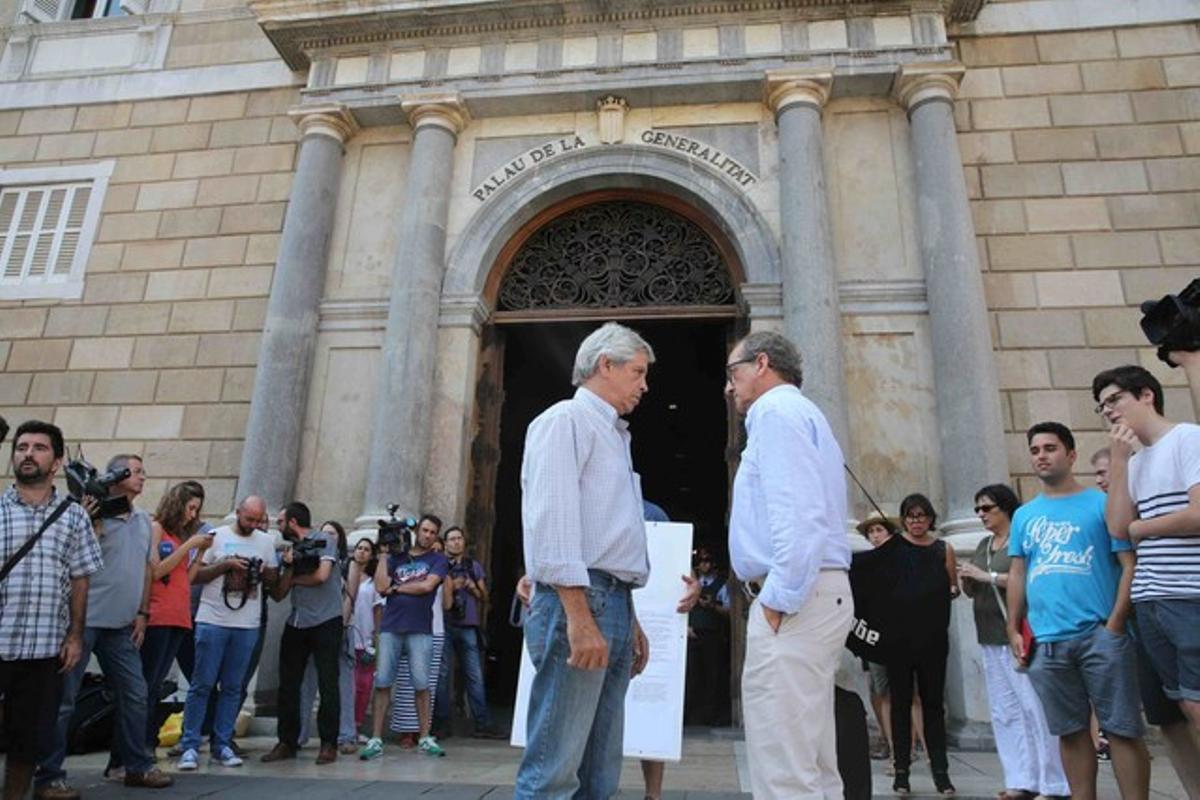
(314, 629)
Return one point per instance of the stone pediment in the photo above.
(299, 27)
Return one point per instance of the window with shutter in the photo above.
(44, 10)
(48, 218)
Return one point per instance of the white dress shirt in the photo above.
(581, 501)
(789, 500)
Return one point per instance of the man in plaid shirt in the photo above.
(43, 601)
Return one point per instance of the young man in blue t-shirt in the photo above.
(1074, 579)
(409, 581)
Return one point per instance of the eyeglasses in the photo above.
(732, 365)
(985, 508)
(916, 516)
(1109, 402)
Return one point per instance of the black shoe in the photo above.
(942, 782)
(900, 783)
(488, 732)
(237, 749)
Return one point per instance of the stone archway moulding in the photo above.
(608, 167)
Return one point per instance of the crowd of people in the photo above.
(143, 592)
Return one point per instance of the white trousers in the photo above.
(787, 694)
(1028, 752)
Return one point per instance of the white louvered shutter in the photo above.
(43, 10)
(134, 7)
(39, 232)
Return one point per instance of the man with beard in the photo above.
(43, 600)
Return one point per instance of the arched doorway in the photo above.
(646, 259)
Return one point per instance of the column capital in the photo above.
(329, 119)
(445, 110)
(785, 88)
(917, 84)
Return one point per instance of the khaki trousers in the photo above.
(787, 694)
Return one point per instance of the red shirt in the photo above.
(171, 597)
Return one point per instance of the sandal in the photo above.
(944, 787)
(900, 783)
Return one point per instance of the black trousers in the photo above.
(707, 684)
(929, 667)
(324, 643)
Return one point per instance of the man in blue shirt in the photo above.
(1071, 580)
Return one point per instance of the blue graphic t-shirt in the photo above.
(412, 613)
(1071, 572)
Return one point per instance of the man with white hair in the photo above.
(585, 549)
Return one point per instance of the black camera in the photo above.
(396, 534)
(465, 568)
(242, 583)
(84, 480)
(1173, 323)
(306, 555)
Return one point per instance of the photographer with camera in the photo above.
(464, 596)
(43, 597)
(234, 571)
(408, 576)
(118, 609)
(314, 629)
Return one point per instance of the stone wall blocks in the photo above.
(1158, 40)
(273, 102)
(150, 422)
(105, 258)
(61, 388)
(974, 183)
(1111, 108)
(203, 163)
(1180, 246)
(108, 116)
(36, 355)
(249, 281)
(1139, 141)
(169, 194)
(250, 315)
(1067, 214)
(136, 386)
(190, 222)
(87, 422)
(998, 216)
(189, 284)
(1029, 252)
(998, 50)
(263, 248)
(1154, 211)
(1105, 177)
(74, 320)
(1190, 132)
(217, 107)
(152, 255)
(240, 132)
(218, 421)
(1022, 369)
(274, 188)
(986, 148)
(114, 288)
(189, 386)
(47, 120)
(119, 199)
(1022, 180)
(1077, 46)
(22, 323)
(1113, 327)
(283, 130)
(1075, 368)
(1124, 75)
(122, 143)
(9, 122)
(14, 388)
(1097, 250)
(159, 112)
(203, 316)
(225, 458)
(1073, 290)
(1168, 105)
(1045, 79)
(177, 459)
(1182, 70)
(1042, 328)
(129, 226)
(166, 351)
(61, 146)
(18, 149)
(238, 386)
(102, 353)
(137, 169)
(270, 158)
(212, 251)
(1174, 174)
(228, 349)
(191, 136)
(1009, 290)
(253, 218)
(1010, 113)
(233, 189)
(981, 82)
(138, 318)
(1151, 284)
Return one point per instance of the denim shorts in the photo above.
(418, 647)
(1170, 630)
(1095, 670)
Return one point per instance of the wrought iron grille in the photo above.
(616, 254)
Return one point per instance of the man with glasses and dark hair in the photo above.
(1071, 580)
(1154, 502)
(43, 603)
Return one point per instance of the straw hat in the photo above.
(875, 518)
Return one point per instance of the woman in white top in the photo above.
(365, 608)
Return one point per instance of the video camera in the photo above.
(1173, 323)
(396, 534)
(306, 555)
(84, 480)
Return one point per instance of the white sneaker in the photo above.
(226, 757)
(190, 760)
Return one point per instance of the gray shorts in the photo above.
(1096, 670)
(879, 681)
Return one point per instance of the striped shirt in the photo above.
(581, 501)
(1159, 479)
(35, 596)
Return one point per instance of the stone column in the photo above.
(970, 424)
(270, 457)
(811, 315)
(404, 404)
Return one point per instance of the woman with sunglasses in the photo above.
(928, 582)
(1028, 752)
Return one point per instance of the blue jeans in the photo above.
(1171, 638)
(464, 642)
(122, 666)
(222, 655)
(419, 649)
(576, 722)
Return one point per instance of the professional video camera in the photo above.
(306, 555)
(1173, 323)
(84, 480)
(396, 534)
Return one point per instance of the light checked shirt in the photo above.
(789, 500)
(581, 501)
(35, 597)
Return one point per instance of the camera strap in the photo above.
(16, 557)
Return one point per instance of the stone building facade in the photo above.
(263, 243)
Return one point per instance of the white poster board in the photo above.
(654, 702)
